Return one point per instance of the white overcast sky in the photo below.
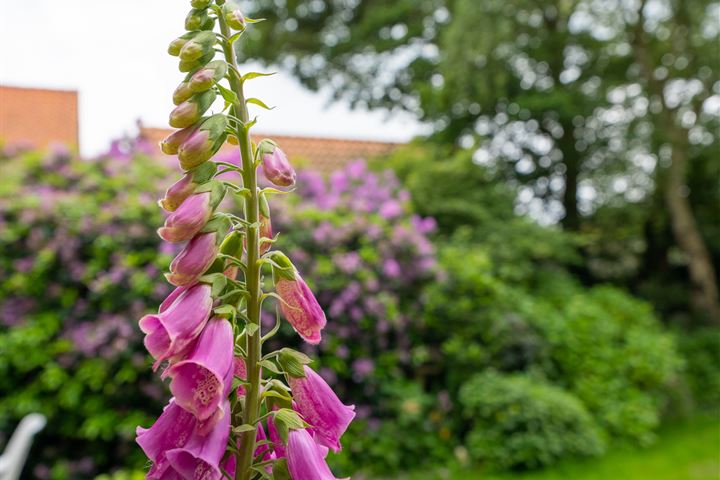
(113, 53)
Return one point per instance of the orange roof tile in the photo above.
(38, 117)
(321, 154)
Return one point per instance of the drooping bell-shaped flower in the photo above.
(305, 458)
(191, 111)
(204, 142)
(321, 408)
(170, 299)
(299, 305)
(194, 259)
(170, 333)
(199, 458)
(199, 382)
(275, 164)
(185, 222)
(171, 430)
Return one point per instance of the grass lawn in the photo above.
(684, 451)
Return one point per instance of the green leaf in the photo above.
(243, 428)
(226, 311)
(267, 364)
(251, 328)
(259, 103)
(280, 470)
(251, 75)
(286, 420)
(218, 285)
(293, 362)
(228, 95)
(254, 20)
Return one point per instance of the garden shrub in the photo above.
(701, 350)
(79, 259)
(519, 422)
(599, 344)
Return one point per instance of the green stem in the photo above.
(252, 214)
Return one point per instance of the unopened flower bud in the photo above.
(200, 45)
(177, 193)
(196, 19)
(172, 142)
(177, 44)
(234, 17)
(189, 112)
(204, 143)
(200, 3)
(193, 65)
(208, 76)
(276, 167)
(182, 93)
(197, 256)
(188, 219)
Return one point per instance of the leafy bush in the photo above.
(516, 422)
(599, 344)
(79, 266)
(701, 350)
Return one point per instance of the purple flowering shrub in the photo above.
(370, 258)
(79, 259)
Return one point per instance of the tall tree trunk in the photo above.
(571, 159)
(704, 296)
(687, 234)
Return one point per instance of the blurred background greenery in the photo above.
(529, 291)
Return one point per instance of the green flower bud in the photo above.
(200, 3)
(198, 19)
(234, 17)
(172, 142)
(177, 44)
(194, 65)
(200, 45)
(182, 93)
(208, 76)
(203, 143)
(189, 112)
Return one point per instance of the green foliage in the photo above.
(599, 344)
(701, 350)
(610, 351)
(517, 422)
(79, 266)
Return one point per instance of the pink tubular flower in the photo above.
(200, 457)
(199, 383)
(305, 459)
(276, 167)
(177, 193)
(174, 295)
(321, 408)
(301, 308)
(188, 219)
(172, 430)
(196, 257)
(169, 334)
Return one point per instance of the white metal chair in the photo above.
(13, 458)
